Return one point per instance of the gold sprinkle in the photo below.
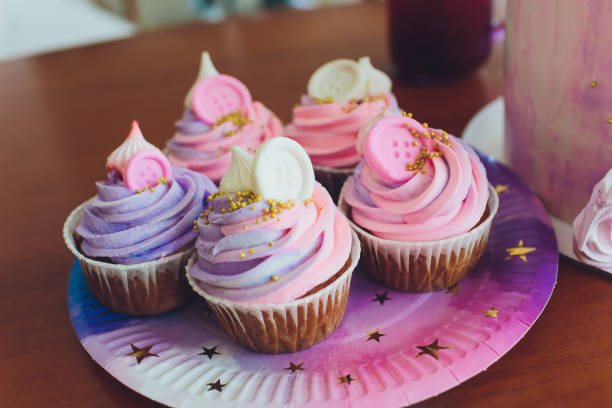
(242, 255)
(594, 84)
(409, 114)
(403, 113)
(274, 277)
(223, 210)
(425, 125)
(202, 215)
(610, 121)
(245, 228)
(270, 244)
(415, 143)
(251, 250)
(266, 218)
(205, 222)
(139, 191)
(258, 221)
(195, 227)
(252, 208)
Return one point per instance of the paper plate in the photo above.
(382, 354)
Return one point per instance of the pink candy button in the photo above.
(145, 169)
(216, 96)
(390, 146)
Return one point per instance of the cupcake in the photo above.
(133, 239)
(274, 255)
(342, 96)
(219, 114)
(420, 203)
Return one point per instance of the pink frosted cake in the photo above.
(342, 96)
(420, 203)
(135, 236)
(272, 250)
(219, 113)
(558, 95)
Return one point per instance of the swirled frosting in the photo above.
(261, 251)
(593, 227)
(328, 131)
(206, 149)
(128, 227)
(445, 195)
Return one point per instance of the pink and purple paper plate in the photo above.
(391, 349)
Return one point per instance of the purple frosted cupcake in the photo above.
(133, 239)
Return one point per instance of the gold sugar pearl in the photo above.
(270, 244)
(242, 255)
(251, 250)
(274, 277)
(594, 84)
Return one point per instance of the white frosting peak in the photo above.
(207, 69)
(378, 82)
(134, 143)
(238, 177)
(593, 227)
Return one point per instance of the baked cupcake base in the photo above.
(140, 289)
(332, 178)
(285, 327)
(424, 266)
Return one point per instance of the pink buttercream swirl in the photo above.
(248, 256)
(593, 227)
(207, 149)
(446, 197)
(328, 131)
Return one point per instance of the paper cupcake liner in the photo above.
(332, 179)
(423, 266)
(140, 289)
(286, 327)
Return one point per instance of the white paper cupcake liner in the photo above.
(285, 327)
(140, 289)
(423, 266)
(332, 178)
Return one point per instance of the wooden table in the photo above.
(62, 113)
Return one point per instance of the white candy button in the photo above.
(378, 81)
(282, 170)
(341, 80)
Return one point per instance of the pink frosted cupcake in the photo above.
(219, 113)
(133, 239)
(420, 203)
(274, 255)
(342, 96)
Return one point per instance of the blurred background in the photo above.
(30, 27)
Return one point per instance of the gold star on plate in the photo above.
(431, 349)
(491, 312)
(519, 251)
(346, 379)
(452, 289)
(216, 386)
(374, 335)
(501, 188)
(141, 353)
(209, 352)
(294, 367)
(381, 297)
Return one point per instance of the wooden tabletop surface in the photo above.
(62, 113)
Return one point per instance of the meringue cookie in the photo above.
(593, 227)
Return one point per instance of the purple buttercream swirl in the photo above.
(130, 228)
(190, 124)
